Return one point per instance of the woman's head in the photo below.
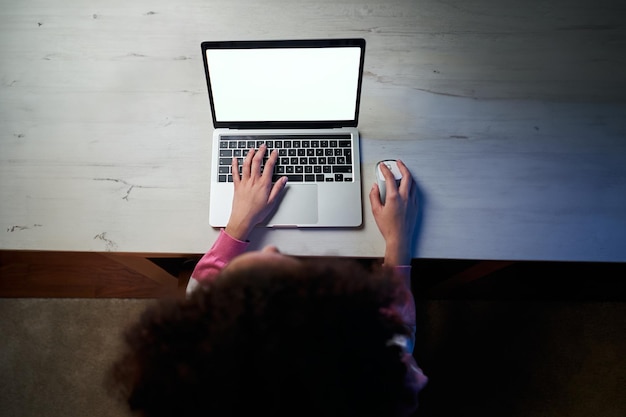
(270, 337)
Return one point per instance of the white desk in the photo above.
(512, 117)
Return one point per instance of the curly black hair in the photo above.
(287, 341)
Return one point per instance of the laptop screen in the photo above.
(284, 83)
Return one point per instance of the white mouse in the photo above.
(380, 179)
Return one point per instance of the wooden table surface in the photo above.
(511, 116)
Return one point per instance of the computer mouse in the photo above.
(380, 179)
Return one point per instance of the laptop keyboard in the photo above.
(302, 158)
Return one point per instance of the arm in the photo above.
(396, 220)
(221, 253)
(254, 197)
(405, 306)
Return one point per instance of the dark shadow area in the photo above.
(556, 281)
(529, 339)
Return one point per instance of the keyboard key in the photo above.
(290, 178)
(342, 169)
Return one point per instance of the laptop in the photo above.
(300, 97)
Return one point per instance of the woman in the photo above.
(265, 333)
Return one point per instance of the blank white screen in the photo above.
(284, 84)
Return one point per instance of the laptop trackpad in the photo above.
(297, 207)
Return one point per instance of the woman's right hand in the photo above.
(397, 217)
(255, 195)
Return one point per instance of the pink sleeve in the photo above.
(405, 306)
(223, 251)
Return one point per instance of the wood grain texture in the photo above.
(81, 275)
(511, 115)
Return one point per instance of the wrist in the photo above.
(238, 231)
(397, 253)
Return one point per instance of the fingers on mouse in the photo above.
(392, 165)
